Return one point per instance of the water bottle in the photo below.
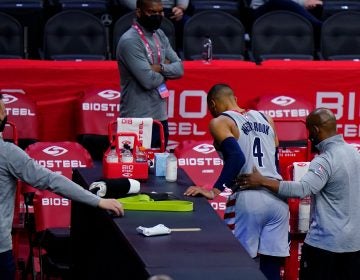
(126, 155)
(304, 214)
(171, 167)
(141, 155)
(207, 52)
(112, 156)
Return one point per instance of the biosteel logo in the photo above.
(109, 108)
(209, 161)
(283, 100)
(302, 164)
(204, 148)
(8, 99)
(15, 111)
(55, 151)
(109, 94)
(49, 201)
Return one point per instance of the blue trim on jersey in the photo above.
(234, 160)
(263, 115)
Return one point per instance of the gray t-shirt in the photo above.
(16, 164)
(333, 181)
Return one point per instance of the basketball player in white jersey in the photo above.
(247, 139)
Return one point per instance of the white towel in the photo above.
(159, 229)
(300, 168)
(141, 126)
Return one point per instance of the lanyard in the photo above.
(147, 46)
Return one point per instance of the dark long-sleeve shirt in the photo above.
(139, 83)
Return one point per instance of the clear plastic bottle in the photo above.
(112, 156)
(304, 214)
(207, 51)
(141, 155)
(171, 167)
(126, 155)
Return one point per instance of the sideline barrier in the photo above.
(55, 86)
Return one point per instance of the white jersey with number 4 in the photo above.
(256, 141)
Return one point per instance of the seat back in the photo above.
(101, 106)
(75, 35)
(201, 162)
(340, 36)
(95, 7)
(30, 14)
(289, 115)
(11, 37)
(331, 7)
(21, 111)
(52, 210)
(226, 32)
(232, 7)
(282, 35)
(125, 22)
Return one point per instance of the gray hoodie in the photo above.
(333, 181)
(16, 164)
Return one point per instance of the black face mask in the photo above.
(3, 123)
(150, 23)
(314, 141)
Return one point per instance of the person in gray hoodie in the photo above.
(331, 249)
(16, 164)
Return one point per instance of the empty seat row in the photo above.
(275, 35)
(76, 34)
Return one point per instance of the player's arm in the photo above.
(234, 159)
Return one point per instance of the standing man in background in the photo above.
(175, 10)
(146, 60)
(247, 138)
(331, 249)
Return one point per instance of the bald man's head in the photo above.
(321, 124)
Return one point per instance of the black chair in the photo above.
(331, 7)
(94, 135)
(49, 225)
(26, 124)
(282, 35)
(226, 32)
(340, 37)
(30, 14)
(75, 34)
(99, 8)
(232, 7)
(12, 42)
(125, 22)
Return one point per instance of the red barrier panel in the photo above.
(202, 164)
(56, 86)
